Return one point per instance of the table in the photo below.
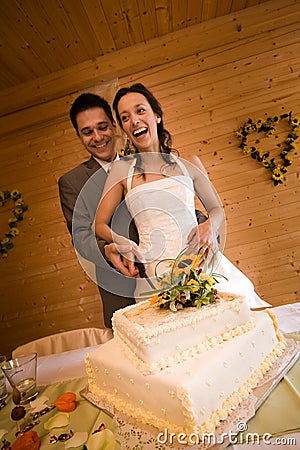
(66, 372)
(85, 418)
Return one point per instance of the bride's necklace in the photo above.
(160, 167)
(151, 170)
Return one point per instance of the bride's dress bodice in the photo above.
(164, 214)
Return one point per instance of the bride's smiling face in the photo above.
(139, 121)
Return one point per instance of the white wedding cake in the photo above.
(185, 370)
(154, 339)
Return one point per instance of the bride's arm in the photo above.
(206, 193)
(112, 196)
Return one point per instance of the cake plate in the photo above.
(132, 434)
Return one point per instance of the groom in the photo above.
(80, 191)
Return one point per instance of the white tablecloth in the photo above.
(288, 317)
(62, 366)
(69, 365)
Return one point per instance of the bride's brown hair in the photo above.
(164, 137)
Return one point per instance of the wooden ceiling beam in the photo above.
(172, 47)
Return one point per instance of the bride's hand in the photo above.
(202, 236)
(119, 262)
(130, 252)
(129, 249)
(201, 241)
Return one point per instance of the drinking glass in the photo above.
(3, 391)
(21, 375)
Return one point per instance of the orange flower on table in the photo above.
(27, 441)
(66, 402)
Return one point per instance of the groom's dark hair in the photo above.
(88, 101)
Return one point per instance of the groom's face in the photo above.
(97, 133)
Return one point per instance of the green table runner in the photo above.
(85, 417)
(278, 415)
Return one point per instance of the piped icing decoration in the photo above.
(137, 326)
(192, 421)
(172, 393)
(184, 355)
(144, 334)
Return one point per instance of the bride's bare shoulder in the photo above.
(194, 165)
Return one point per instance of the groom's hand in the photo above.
(122, 264)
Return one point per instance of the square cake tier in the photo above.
(154, 339)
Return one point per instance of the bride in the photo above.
(159, 191)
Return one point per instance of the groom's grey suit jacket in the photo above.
(80, 191)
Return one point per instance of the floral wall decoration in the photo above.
(268, 127)
(127, 149)
(18, 213)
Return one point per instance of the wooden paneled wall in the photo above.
(210, 79)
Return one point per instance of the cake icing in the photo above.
(154, 339)
(195, 395)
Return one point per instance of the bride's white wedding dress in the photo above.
(164, 214)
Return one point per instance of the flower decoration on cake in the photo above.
(267, 126)
(18, 214)
(189, 282)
